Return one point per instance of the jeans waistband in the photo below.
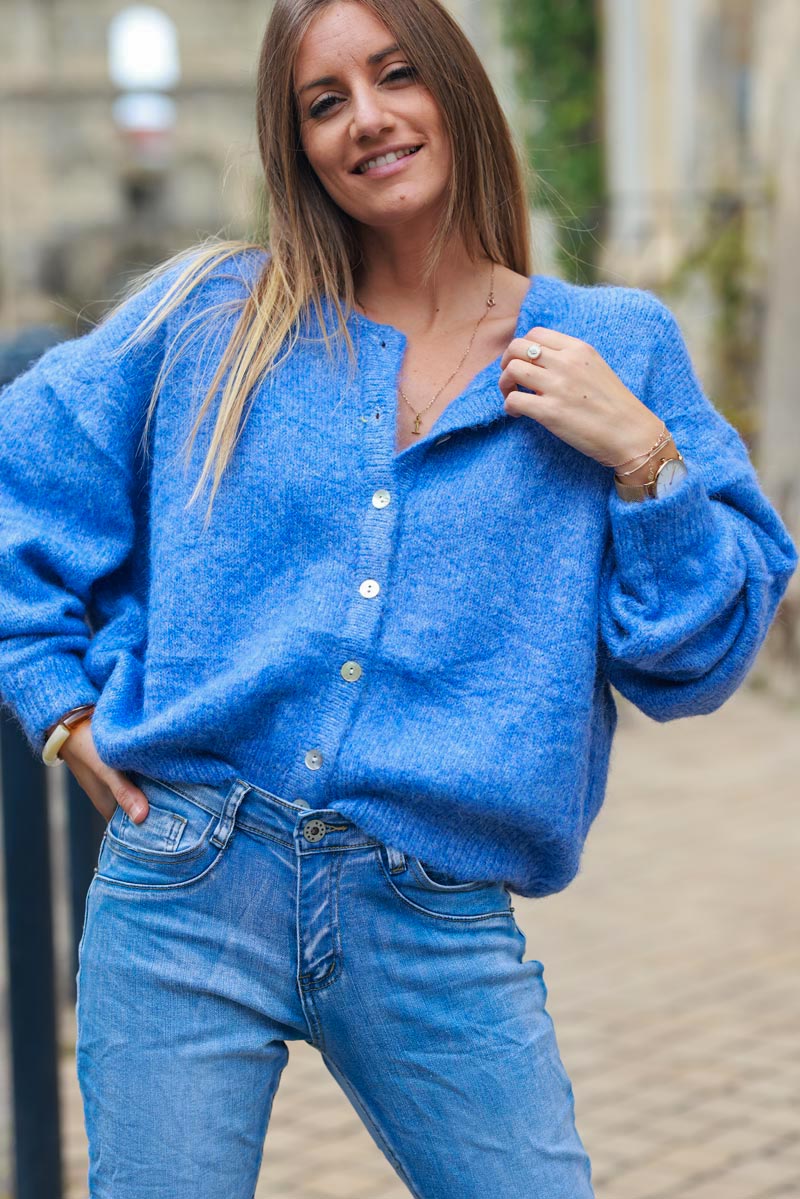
(309, 829)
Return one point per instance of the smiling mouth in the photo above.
(384, 159)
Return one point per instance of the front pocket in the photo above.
(439, 880)
(160, 832)
(456, 901)
(171, 847)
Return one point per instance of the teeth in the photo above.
(382, 159)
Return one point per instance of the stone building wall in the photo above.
(78, 202)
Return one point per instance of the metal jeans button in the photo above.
(315, 830)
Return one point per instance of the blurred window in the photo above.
(143, 50)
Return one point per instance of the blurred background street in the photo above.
(664, 153)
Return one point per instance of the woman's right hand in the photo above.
(105, 787)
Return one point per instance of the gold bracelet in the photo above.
(645, 455)
(623, 474)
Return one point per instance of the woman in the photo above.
(335, 722)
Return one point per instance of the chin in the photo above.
(397, 211)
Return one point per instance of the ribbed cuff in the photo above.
(657, 536)
(40, 694)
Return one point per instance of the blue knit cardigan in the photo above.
(424, 640)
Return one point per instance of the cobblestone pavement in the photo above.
(673, 968)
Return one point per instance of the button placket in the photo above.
(361, 615)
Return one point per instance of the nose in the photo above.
(370, 116)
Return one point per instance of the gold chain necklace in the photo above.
(490, 303)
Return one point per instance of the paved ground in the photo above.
(673, 968)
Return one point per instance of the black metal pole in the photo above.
(31, 969)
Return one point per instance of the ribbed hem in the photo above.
(39, 695)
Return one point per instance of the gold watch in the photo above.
(666, 475)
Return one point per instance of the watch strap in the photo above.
(635, 492)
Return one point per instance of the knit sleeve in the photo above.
(691, 582)
(69, 432)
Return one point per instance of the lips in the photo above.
(386, 158)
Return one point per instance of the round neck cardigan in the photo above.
(424, 641)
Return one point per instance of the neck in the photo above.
(390, 284)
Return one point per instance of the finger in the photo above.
(104, 804)
(519, 373)
(522, 403)
(82, 748)
(554, 339)
(127, 795)
(91, 785)
(519, 347)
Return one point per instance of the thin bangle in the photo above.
(623, 473)
(645, 454)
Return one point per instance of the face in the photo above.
(360, 100)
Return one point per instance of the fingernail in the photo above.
(138, 811)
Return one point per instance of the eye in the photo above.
(325, 103)
(398, 73)
(321, 106)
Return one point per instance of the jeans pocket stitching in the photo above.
(426, 880)
(452, 917)
(142, 853)
(126, 884)
(177, 826)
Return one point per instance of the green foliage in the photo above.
(724, 260)
(558, 73)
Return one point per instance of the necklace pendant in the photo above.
(416, 428)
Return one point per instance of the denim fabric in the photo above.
(232, 921)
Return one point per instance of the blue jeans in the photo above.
(227, 924)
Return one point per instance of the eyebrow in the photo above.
(327, 80)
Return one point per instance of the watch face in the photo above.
(670, 477)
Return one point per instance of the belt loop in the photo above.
(224, 828)
(397, 860)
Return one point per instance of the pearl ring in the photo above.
(534, 351)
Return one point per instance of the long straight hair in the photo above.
(314, 247)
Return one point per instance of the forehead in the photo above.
(340, 36)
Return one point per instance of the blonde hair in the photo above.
(313, 244)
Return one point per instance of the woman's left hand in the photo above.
(578, 397)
